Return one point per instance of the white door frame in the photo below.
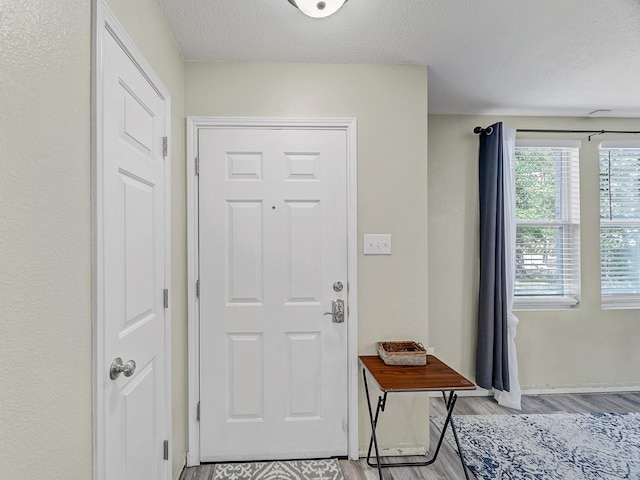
(105, 23)
(349, 126)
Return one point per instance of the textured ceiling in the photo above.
(533, 57)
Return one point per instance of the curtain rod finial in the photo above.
(483, 131)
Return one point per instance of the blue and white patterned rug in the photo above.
(289, 470)
(550, 447)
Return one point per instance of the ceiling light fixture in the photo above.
(318, 8)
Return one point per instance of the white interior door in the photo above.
(132, 247)
(272, 241)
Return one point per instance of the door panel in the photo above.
(246, 377)
(244, 243)
(133, 240)
(304, 365)
(273, 367)
(304, 255)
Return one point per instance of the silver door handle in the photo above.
(337, 311)
(118, 367)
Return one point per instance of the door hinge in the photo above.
(197, 166)
(198, 412)
(198, 288)
(165, 298)
(166, 449)
(165, 146)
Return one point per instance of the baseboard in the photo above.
(546, 390)
(555, 390)
(394, 452)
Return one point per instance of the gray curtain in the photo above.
(492, 362)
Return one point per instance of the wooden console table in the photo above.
(434, 376)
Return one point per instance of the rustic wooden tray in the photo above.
(402, 353)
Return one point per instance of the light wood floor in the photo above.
(447, 466)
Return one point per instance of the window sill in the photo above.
(620, 302)
(545, 303)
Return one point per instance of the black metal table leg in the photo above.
(374, 422)
(455, 436)
(450, 403)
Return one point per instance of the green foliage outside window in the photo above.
(542, 235)
(620, 221)
(536, 184)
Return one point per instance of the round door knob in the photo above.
(118, 367)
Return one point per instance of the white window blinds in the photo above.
(547, 225)
(620, 226)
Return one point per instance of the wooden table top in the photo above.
(434, 376)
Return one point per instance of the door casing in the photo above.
(194, 124)
(105, 23)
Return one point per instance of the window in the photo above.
(620, 226)
(547, 225)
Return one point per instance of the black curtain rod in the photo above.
(489, 131)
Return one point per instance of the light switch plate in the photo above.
(377, 244)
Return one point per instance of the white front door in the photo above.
(272, 243)
(132, 242)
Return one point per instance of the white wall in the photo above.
(586, 346)
(45, 240)
(390, 103)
